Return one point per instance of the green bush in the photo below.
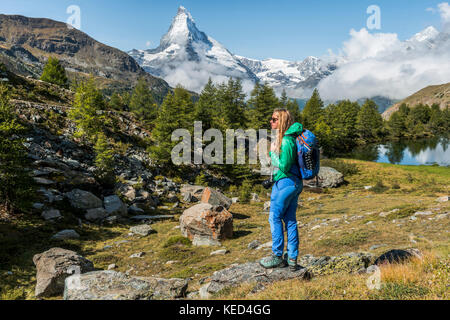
(245, 192)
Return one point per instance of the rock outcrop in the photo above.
(328, 178)
(54, 266)
(215, 198)
(111, 285)
(204, 223)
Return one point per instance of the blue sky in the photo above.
(259, 29)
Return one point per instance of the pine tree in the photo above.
(369, 121)
(88, 103)
(263, 102)
(15, 183)
(55, 73)
(176, 112)
(292, 106)
(119, 101)
(313, 111)
(206, 106)
(231, 105)
(104, 159)
(142, 102)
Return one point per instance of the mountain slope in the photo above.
(26, 43)
(439, 94)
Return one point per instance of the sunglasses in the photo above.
(273, 119)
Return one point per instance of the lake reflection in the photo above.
(418, 152)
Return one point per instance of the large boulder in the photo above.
(251, 272)
(205, 221)
(83, 200)
(398, 256)
(111, 285)
(194, 190)
(54, 266)
(328, 178)
(215, 198)
(352, 262)
(114, 206)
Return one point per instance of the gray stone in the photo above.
(83, 200)
(251, 272)
(112, 266)
(423, 213)
(142, 230)
(254, 244)
(219, 252)
(135, 210)
(215, 198)
(54, 266)
(194, 190)
(38, 206)
(265, 245)
(137, 255)
(51, 214)
(66, 235)
(443, 199)
(235, 200)
(95, 214)
(376, 246)
(267, 206)
(255, 197)
(328, 178)
(111, 285)
(114, 206)
(43, 181)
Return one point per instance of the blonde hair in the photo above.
(285, 121)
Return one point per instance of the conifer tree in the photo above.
(206, 106)
(231, 105)
(104, 159)
(55, 73)
(292, 106)
(142, 102)
(262, 103)
(15, 182)
(176, 112)
(88, 103)
(313, 111)
(369, 121)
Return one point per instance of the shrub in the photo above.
(346, 168)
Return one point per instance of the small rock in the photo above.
(112, 266)
(135, 210)
(114, 206)
(315, 227)
(423, 213)
(137, 255)
(51, 214)
(265, 245)
(443, 199)
(255, 197)
(235, 200)
(142, 230)
(374, 247)
(66, 234)
(219, 252)
(83, 200)
(267, 206)
(95, 214)
(254, 244)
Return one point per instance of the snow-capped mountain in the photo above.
(188, 56)
(288, 75)
(424, 39)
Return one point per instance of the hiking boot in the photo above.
(273, 261)
(292, 263)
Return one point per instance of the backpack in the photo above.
(308, 155)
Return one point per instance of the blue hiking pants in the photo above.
(283, 208)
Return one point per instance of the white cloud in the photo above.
(379, 64)
(444, 10)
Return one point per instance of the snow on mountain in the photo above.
(189, 57)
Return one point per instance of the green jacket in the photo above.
(282, 163)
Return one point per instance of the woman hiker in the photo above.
(285, 192)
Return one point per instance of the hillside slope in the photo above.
(26, 43)
(439, 94)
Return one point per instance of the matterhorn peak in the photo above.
(182, 30)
